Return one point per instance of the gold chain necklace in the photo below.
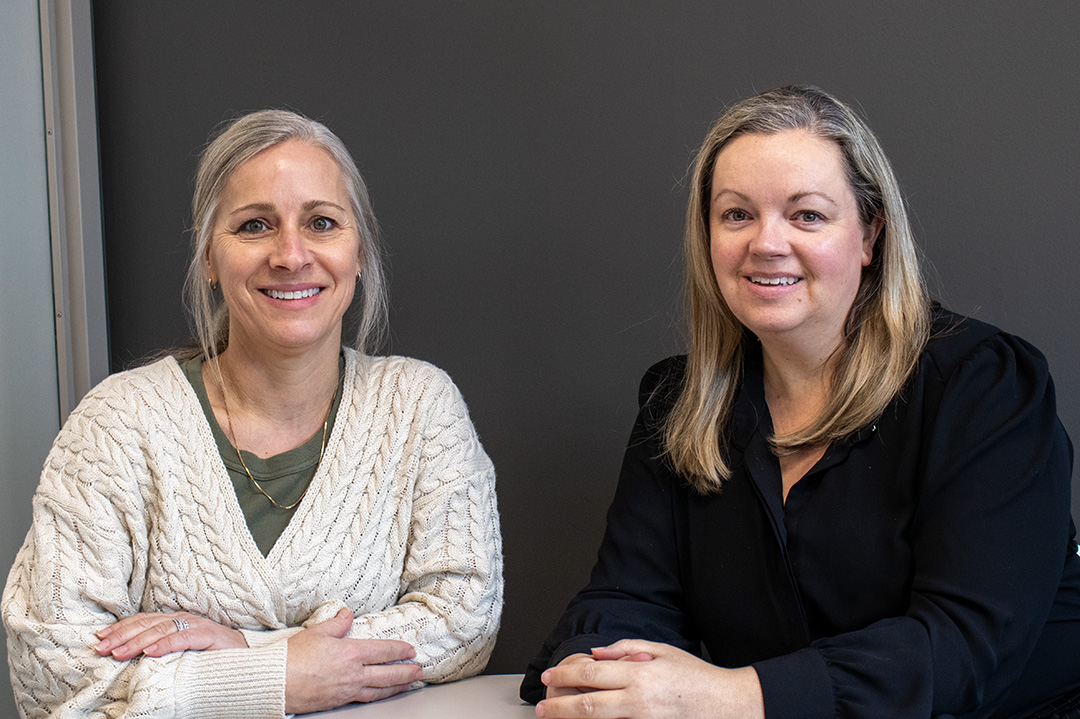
(322, 448)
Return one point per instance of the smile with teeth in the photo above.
(774, 281)
(297, 295)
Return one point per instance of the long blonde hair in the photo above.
(239, 142)
(887, 325)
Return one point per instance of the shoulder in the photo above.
(663, 381)
(162, 372)
(660, 388)
(401, 385)
(404, 372)
(160, 383)
(107, 440)
(958, 344)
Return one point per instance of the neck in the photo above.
(283, 388)
(797, 384)
(275, 404)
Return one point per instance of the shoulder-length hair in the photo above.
(240, 141)
(887, 325)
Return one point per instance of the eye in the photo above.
(322, 224)
(735, 215)
(254, 227)
(809, 216)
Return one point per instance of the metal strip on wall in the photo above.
(74, 198)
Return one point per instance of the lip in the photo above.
(772, 280)
(293, 293)
(771, 292)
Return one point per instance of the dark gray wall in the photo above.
(527, 163)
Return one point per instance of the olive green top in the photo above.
(284, 476)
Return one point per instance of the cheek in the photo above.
(350, 264)
(355, 254)
(724, 260)
(344, 264)
(228, 262)
(845, 256)
(847, 268)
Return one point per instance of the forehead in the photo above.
(292, 166)
(790, 161)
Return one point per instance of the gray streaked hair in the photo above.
(241, 140)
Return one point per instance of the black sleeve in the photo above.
(634, 591)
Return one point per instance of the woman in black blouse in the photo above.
(856, 502)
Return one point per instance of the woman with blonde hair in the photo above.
(272, 522)
(852, 501)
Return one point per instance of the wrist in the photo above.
(741, 694)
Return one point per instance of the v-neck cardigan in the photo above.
(135, 513)
(925, 567)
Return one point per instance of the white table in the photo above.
(494, 696)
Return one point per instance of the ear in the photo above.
(209, 268)
(870, 236)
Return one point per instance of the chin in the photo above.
(771, 323)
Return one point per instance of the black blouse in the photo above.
(927, 566)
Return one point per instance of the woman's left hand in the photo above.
(156, 634)
(636, 679)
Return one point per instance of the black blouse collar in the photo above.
(750, 414)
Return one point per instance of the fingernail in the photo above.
(544, 678)
(540, 710)
(149, 649)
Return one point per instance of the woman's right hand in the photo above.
(636, 679)
(553, 692)
(326, 670)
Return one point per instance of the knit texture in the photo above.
(136, 513)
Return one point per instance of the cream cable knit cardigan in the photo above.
(135, 512)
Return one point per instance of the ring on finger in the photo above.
(181, 624)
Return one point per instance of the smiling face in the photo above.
(785, 237)
(286, 249)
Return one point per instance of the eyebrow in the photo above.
(797, 197)
(813, 193)
(314, 204)
(721, 191)
(268, 207)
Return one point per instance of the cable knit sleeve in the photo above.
(452, 586)
(83, 566)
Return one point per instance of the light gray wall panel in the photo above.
(29, 412)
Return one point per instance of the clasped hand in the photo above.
(635, 679)
(156, 634)
(325, 669)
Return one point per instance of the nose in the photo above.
(770, 238)
(290, 251)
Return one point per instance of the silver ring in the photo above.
(181, 624)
